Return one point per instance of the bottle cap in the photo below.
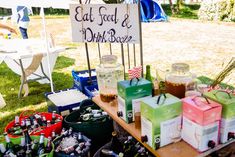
(17, 119)
(35, 141)
(49, 138)
(108, 59)
(53, 133)
(114, 133)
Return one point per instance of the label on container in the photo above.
(136, 105)
(227, 126)
(146, 130)
(198, 136)
(170, 131)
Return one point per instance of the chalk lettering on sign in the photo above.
(86, 17)
(126, 21)
(107, 17)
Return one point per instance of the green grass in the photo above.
(63, 62)
(187, 11)
(9, 86)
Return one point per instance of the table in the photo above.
(179, 149)
(18, 54)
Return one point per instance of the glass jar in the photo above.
(109, 72)
(178, 79)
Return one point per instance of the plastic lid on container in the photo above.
(109, 59)
(64, 98)
(181, 67)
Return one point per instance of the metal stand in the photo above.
(122, 49)
(123, 58)
(88, 63)
(24, 76)
(140, 35)
(134, 55)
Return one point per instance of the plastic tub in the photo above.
(57, 127)
(57, 141)
(18, 140)
(88, 90)
(80, 81)
(64, 101)
(99, 132)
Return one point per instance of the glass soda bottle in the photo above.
(41, 148)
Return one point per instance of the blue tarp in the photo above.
(151, 11)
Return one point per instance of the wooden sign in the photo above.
(107, 23)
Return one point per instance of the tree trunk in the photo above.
(172, 7)
(179, 4)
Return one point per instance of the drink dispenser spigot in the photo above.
(231, 135)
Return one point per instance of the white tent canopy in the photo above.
(62, 4)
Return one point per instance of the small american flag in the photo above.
(135, 72)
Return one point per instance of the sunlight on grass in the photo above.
(9, 86)
(187, 11)
(40, 106)
(63, 62)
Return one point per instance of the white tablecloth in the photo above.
(12, 50)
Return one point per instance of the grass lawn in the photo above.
(9, 87)
(187, 11)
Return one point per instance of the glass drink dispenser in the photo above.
(178, 79)
(109, 72)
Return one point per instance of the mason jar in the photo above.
(109, 72)
(178, 79)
